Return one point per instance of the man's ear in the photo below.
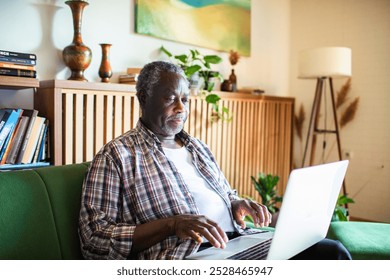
(141, 98)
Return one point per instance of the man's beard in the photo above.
(174, 129)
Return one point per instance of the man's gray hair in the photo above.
(150, 75)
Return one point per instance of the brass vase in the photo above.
(105, 71)
(77, 56)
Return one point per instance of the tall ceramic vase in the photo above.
(77, 56)
(105, 71)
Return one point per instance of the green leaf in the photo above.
(278, 199)
(191, 70)
(343, 199)
(212, 59)
(164, 50)
(225, 110)
(193, 54)
(210, 86)
(183, 58)
(212, 98)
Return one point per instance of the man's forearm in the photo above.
(146, 235)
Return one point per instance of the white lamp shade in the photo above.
(332, 62)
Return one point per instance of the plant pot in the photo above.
(275, 217)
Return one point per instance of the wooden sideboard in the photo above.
(84, 116)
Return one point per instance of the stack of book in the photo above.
(23, 138)
(18, 64)
(131, 77)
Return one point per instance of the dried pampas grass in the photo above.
(343, 93)
(349, 113)
(299, 120)
(234, 57)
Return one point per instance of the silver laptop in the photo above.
(304, 217)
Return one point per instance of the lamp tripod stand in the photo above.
(314, 119)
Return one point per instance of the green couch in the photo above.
(39, 217)
(39, 212)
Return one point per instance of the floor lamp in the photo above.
(323, 64)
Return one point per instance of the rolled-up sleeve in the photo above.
(103, 235)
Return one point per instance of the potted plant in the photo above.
(265, 185)
(341, 212)
(194, 64)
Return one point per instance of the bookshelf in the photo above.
(18, 83)
(84, 116)
(15, 83)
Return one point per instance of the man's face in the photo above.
(166, 110)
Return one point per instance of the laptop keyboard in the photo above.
(256, 252)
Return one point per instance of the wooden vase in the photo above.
(105, 71)
(77, 56)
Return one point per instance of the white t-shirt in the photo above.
(207, 200)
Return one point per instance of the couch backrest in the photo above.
(39, 212)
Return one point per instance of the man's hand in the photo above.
(243, 207)
(196, 226)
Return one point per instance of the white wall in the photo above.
(45, 27)
(363, 26)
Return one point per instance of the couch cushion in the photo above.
(364, 240)
(27, 228)
(64, 184)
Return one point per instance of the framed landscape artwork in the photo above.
(221, 25)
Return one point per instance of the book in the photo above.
(16, 66)
(31, 114)
(4, 117)
(2, 112)
(18, 54)
(128, 79)
(16, 60)
(17, 141)
(18, 72)
(4, 150)
(134, 70)
(42, 149)
(46, 151)
(8, 144)
(39, 143)
(9, 125)
(33, 140)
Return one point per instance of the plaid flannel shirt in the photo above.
(131, 182)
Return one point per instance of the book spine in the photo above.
(33, 140)
(16, 144)
(9, 126)
(17, 60)
(18, 72)
(18, 55)
(16, 66)
(8, 144)
(43, 142)
(5, 149)
(4, 119)
(38, 146)
(32, 116)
